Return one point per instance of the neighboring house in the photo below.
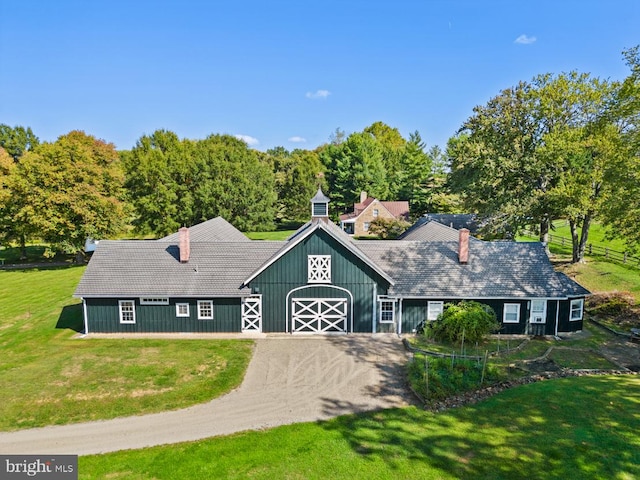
(320, 280)
(369, 209)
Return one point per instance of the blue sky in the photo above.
(288, 73)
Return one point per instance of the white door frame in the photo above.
(252, 314)
(304, 287)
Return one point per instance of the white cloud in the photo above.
(251, 141)
(525, 39)
(318, 94)
(297, 139)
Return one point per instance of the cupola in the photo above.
(320, 206)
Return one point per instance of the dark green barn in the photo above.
(211, 278)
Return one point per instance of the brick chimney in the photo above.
(184, 244)
(363, 196)
(463, 246)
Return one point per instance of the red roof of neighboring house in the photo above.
(399, 209)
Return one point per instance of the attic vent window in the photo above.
(154, 301)
(319, 269)
(320, 210)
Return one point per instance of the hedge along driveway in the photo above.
(289, 380)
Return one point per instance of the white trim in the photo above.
(86, 318)
(581, 301)
(183, 315)
(504, 312)
(320, 225)
(202, 302)
(288, 303)
(251, 314)
(374, 316)
(434, 303)
(121, 304)
(557, 315)
(400, 316)
(154, 300)
(332, 313)
(543, 318)
(318, 268)
(382, 310)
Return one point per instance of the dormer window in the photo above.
(319, 269)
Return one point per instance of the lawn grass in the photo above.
(51, 378)
(597, 235)
(602, 276)
(586, 428)
(277, 235)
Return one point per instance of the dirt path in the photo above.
(289, 380)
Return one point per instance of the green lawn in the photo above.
(600, 276)
(582, 428)
(51, 378)
(277, 235)
(597, 235)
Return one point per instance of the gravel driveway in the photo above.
(289, 380)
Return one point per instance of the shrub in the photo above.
(469, 320)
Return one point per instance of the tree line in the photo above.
(79, 186)
(560, 146)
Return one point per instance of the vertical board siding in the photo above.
(103, 317)
(290, 272)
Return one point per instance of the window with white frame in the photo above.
(577, 307)
(376, 212)
(387, 311)
(366, 226)
(205, 310)
(182, 309)
(538, 311)
(511, 313)
(154, 301)
(434, 309)
(319, 269)
(127, 311)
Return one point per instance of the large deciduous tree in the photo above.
(17, 140)
(66, 191)
(537, 152)
(622, 208)
(174, 182)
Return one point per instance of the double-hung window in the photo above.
(434, 309)
(387, 311)
(511, 313)
(205, 310)
(577, 307)
(127, 310)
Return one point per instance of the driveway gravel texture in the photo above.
(289, 379)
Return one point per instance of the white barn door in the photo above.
(252, 314)
(318, 315)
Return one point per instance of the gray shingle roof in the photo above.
(134, 268)
(430, 231)
(214, 230)
(494, 270)
(138, 267)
